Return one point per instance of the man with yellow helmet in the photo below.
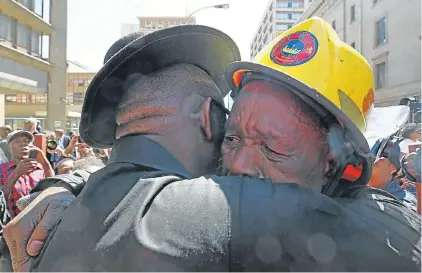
(315, 77)
(299, 112)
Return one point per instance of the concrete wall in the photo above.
(2, 107)
(56, 106)
(24, 110)
(23, 71)
(402, 52)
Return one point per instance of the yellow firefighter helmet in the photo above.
(325, 72)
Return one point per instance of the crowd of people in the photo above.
(23, 164)
(285, 181)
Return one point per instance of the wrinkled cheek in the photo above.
(282, 172)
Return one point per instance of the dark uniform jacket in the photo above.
(144, 212)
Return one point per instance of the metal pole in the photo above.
(224, 6)
(190, 15)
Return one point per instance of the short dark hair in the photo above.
(163, 88)
(87, 162)
(60, 163)
(409, 129)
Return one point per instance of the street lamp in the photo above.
(223, 6)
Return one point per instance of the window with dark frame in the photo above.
(352, 13)
(333, 24)
(78, 97)
(380, 75)
(381, 31)
(353, 45)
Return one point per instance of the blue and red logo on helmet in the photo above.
(295, 49)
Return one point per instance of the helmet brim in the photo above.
(304, 92)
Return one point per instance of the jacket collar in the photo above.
(143, 151)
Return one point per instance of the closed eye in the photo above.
(272, 154)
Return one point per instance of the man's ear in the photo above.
(205, 118)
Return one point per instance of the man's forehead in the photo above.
(261, 92)
(20, 138)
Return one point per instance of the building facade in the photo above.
(30, 73)
(21, 106)
(279, 16)
(387, 33)
(149, 24)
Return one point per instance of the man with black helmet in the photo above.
(158, 218)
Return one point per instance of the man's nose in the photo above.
(245, 163)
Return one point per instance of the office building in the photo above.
(387, 33)
(279, 16)
(24, 105)
(149, 24)
(31, 73)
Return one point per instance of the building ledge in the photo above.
(23, 58)
(25, 16)
(19, 85)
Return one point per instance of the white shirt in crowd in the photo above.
(404, 145)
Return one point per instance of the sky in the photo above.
(94, 25)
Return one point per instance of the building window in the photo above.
(281, 4)
(35, 43)
(290, 4)
(10, 98)
(353, 45)
(27, 98)
(20, 98)
(13, 29)
(39, 7)
(78, 82)
(352, 13)
(280, 27)
(78, 98)
(380, 75)
(27, 3)
(282, 15)
(296, 16)
(333, 24)
(375, 1)
(381, 31)
(5, 27)
(289, 26)
(23, 35)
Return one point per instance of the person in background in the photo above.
(411, 134)
(64, 166)
(101, 154)
(4, 148)
(5, 130)
(62, 140)
(80, 148)
(27, 166)
(71, 134)
(384, 171)
(52, 156)
(39, 128)
(30, 125)
(411, 166)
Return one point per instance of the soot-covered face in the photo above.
(272, 134)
